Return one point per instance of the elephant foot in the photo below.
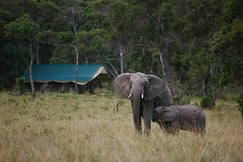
(147, 132)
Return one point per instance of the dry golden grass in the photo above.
(68, 127)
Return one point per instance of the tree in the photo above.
(120, 28)
(24, 28)
(196, 43)
(149, 31)
(202, 19)
(226, 45)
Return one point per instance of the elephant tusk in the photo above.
(142, 96)
(130, 96)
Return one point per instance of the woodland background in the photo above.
(196, 45)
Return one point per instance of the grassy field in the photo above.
(69, 127)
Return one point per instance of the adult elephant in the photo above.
(145, 92)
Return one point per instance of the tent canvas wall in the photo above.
(65, 73)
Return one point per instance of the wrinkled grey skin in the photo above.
(145, 92)
(186, 117)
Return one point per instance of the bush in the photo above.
(181, 100)
(207, 102)
(240, 102)
(19, 85)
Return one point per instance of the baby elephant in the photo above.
(185, 117)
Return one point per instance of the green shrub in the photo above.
(19, 85)
(181, 100)
(207, 102)
(240, 102)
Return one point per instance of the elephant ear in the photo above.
(156, 87)
(121, 84)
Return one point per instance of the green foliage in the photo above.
(19, 85)
(215, 58)
(240, 103)
(65, 37)
(22, 27)
(207, 102)
(13, 63)
(4, 17)
(181, 100)
(232, 10)
(202, 40)
(62, 55)
(226, 47)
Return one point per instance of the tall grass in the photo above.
(69, 127)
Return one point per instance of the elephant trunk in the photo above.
(136, 94)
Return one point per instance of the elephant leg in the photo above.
(175, 126)
(201, 125)
(147, 116)
(168, 127)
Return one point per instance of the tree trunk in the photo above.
(204, 93)
(37, 51)
(76, 68)
(122, 55)
(162, 63)
(113, 70)
(30, 68)
(168, 71)
(74, 21)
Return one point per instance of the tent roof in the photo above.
(64, 73)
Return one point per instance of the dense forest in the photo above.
(196, 45)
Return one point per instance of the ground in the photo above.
(70, 127)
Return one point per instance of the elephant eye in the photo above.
(130, 83)
(146, 84)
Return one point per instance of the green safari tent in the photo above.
(65, 73)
